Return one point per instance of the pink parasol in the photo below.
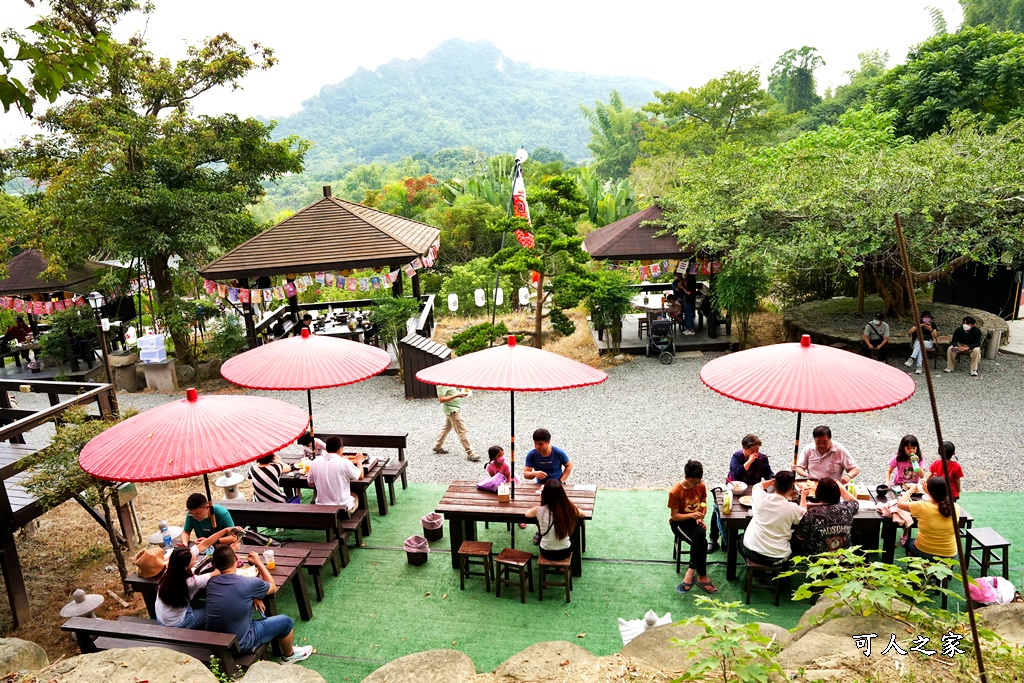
(512, 368)
(807, 378)
(192, 436)
(306, 362)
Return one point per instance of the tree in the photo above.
(55, 473)
(410, 197)
(557, 254)
(791, 81)
(740, 287)
(391, 316)
(465, 231)
(126, 170)
(854, 94)
(824, 202)
(973, 70)
(54, 55)
(615, 135)
(998, 15)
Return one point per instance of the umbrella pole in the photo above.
(209, 497)
(512, 404)
(796, 442)
(309, 406)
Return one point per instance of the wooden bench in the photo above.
(335, 520)
(320, 554)
(395, 468)
(97, 635)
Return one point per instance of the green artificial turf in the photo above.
(382, 608)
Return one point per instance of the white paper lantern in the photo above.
(524, 296)
(478, 296)
(453, 302)
(499, 296)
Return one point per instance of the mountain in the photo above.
(460, 94)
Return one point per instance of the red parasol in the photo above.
(807, 378)
(191, 436)
(512, 368)
(306, 362)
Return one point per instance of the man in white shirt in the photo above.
(766, 540)
(331, 474)
(826, 458)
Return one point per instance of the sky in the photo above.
(681, 43)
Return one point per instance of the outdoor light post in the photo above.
(96, 301)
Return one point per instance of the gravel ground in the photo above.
(638, 429)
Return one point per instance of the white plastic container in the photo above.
(151, 348)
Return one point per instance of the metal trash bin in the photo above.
(992, 347)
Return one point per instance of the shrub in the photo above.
(464, 280)
(228, 339)
(478, 337)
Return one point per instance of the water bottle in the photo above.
(727, 501)
(917, 467)
(166, 533)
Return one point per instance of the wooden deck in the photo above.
(633, 344)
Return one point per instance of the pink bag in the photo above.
(491, 483)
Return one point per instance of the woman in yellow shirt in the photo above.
(935, 537)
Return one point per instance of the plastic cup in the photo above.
(268, 559)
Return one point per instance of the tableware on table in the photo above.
(737, 486)
(882, 491)
(268, 559)
(747, 500)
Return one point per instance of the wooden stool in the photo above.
(518, 560)
(546, 566)
(989, 542)
(475, 554)
(678, 552)
(774, 586)
(643, 323)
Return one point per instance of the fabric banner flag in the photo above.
(321, 277)
(417, 263)
(37, 307)
(19, 305)
(233, 294)
(60, 306)
(520, 208)
(279, 293)
(209, 285)
(243, 295)
(48, 307)
(289, 289)
(364, 283)
(222, 291)
(409, 270)
(655, 270)
(351, 284)
(375, 282)
(268, 295)
(329, 279)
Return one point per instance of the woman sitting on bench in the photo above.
(179, 585)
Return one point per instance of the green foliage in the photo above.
(56, 343)
(220, 675)
(854, 94)
(465, 234)
(228, 339)
(55, 59)
(391, 316)
(458, 95)
(744, 280)
(975, 70)
(822, 205)
(477, 338)
(607, 201)
(561, 323)
(615, 134)
(998, 15)
(126, 170)
(848, 579)
(791, 81)
(728, 649)
(609, 299)
(464, 280)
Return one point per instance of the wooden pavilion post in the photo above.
(416, 286)
(247, 315)
(396, 288)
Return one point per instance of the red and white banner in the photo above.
(520, 208)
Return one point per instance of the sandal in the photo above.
(903, 540)
(684, 587)
(708, 587)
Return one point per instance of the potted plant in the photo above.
(610, 299)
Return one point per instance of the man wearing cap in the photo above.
(876, 338)
(966, 339)
(826, 458)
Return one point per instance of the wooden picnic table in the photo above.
(867, 525)
(15, 352)
(294, 480)
(288, 568)
(463, 505)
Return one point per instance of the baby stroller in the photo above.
(660, 341)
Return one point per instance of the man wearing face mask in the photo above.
(966, 339)
(876, 338)
(928, 332)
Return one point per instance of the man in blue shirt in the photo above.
(229, 603)
(546, 460)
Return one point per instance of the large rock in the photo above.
(186, 373)
(812, 616)
(1006, 620)
(553, 661)
(209, 370)
(654, 647)
(832, 646)
(20, 655)
(131, 665)
(271, 672)
(433, 666)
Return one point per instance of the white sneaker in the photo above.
(910, 361)
(918, 371)
(947, 369)
(974, 373)
(298, 654)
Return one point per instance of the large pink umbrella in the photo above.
(191, 436)
(307, 362)
(512, 368)
(807, 378)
